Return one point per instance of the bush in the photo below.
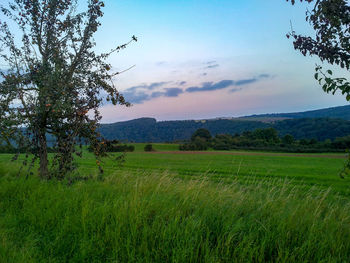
(187, 147)
(114, 146)
(199, 144)
(122, 148)
(201, 133)
(221, 146)
(7, 149)
(148, 148)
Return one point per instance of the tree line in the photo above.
(149, 130)
(267, 139)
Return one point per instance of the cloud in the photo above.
(181, 83)
(160, 63)
(243, 82)
(210, 62)
(223, 84)
(170, 92)
(157, 94)
(137, 97)
(146, 87)
(236, 90)
(141, 93)
(262, 76)
(138, 94)
(156, 85)
(213, 66)
(209, 86)
(173, 92)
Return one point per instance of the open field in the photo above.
(301, 169)
(180, 207)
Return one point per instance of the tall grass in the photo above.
(158, 218)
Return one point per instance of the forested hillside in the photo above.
(149, 130)
(341, 112)
(316, 128)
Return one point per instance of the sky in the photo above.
(200, 59)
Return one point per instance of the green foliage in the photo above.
(288, 139)
(201, 133)
(308, 169)
(162, 147)
(267, 139)
(114, 146)
(318, 128)
(158, 218)
(330, 20)
(148, 148)
(122, 148)
(149, 130)
(255, 139)
(8, 149)
(342, 143)
(346, 169)
(269, 135)
(340, 112)
(200, 141)
(53, 79)
(198, 144)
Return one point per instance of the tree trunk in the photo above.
(43, 169)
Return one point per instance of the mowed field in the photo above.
(299, 169)
(171, 206)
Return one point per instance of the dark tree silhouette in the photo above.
(288, 139)
(331, 21)
(54, 82)
(201, 133)
(148, 148)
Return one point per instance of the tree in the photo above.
(331, 21)
(268, 135)
(288, 139)
(201, 133)
(54, 82)
(148, 148)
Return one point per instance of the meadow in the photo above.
(167, 206)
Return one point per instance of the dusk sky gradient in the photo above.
(206, 59)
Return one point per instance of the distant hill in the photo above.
(149, 130)
(341, 112)
(317, 128)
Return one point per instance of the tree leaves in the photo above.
(55, 77)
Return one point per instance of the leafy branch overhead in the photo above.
(331, 21)
(54, 82)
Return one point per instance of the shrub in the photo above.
(122, 148)
(201, 133)
(148, 148)
(114, 146)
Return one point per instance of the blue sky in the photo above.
(207, 59)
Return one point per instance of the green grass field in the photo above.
(180, 207)
(139, 147)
